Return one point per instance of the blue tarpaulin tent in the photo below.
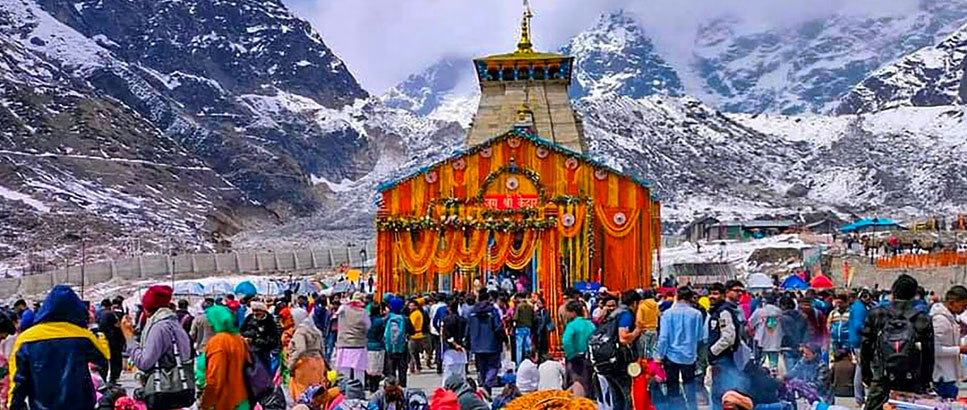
(867, 224)
(794, 282)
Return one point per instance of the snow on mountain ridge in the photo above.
(615, 56)
(931, 76)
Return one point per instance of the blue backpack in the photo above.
(395, 334)
(839, 332)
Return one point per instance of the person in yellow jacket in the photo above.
(49, 361)
(417, 326)
(646, 318)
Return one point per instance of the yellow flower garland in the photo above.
(417, 262)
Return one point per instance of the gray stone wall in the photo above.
(187, 266)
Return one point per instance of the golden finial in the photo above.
(525, 45)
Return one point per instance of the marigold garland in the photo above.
(417, 261)
(519, 258)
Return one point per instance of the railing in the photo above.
(195, 265)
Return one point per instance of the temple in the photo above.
(522, 203)
(528, 78)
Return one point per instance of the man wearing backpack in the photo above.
(897, 349)
(723, 341)
(612, 349)
(396, 340)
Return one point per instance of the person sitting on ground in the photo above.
(810, 378)
(507, 395)
(552, 374)
(390, 397)
(528, 376)
(466, 395)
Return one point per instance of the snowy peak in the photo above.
(932, 76)
(615, 56)
(809, 67)
(424, 92)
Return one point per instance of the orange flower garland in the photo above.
(519, 258)
(417, 261)
(578, 213)
(607, 220)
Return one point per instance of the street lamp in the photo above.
(362, 254)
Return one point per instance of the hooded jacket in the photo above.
(49, 365)
(222, 376)
(465, 395)
(265, 333)
(484, 326)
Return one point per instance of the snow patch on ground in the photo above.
(12, 195)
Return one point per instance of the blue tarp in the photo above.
(795, 283)
(245, 288)
(867, 223)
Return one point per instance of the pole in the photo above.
(83, 263)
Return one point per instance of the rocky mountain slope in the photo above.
(242, 92)
(929, 77)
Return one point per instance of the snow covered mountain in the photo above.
(811, 66)
(616, 57)
(931, 76)
(238, 112)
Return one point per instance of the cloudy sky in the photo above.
(383, 41)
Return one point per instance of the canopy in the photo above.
(189, 288)
(219, 288)
(245, 288)
(869, 223)
(759, 281)
(794, 282)
(821, 282)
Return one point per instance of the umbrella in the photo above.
(821, 282)
(793, 282)
(759, 281)
(246, 288)
(189, 288)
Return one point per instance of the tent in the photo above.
(219, 288)
(759, 281)
(821, 282)
(245, 288)
(867, 224)
(189, 288)
(794, 282)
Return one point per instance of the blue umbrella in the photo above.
(794, 282)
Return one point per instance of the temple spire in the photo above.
(525, 45)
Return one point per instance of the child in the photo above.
(551, 375)
(843, 371)
(528, 376)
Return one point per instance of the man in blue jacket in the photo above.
(485, 339)
(857, 317)
(50, 360)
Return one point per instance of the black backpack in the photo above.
(897, 346)
(608, 355)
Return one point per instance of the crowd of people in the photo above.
(715, 345)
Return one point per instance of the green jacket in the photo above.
(577, 333)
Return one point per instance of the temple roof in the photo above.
(528, 135)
